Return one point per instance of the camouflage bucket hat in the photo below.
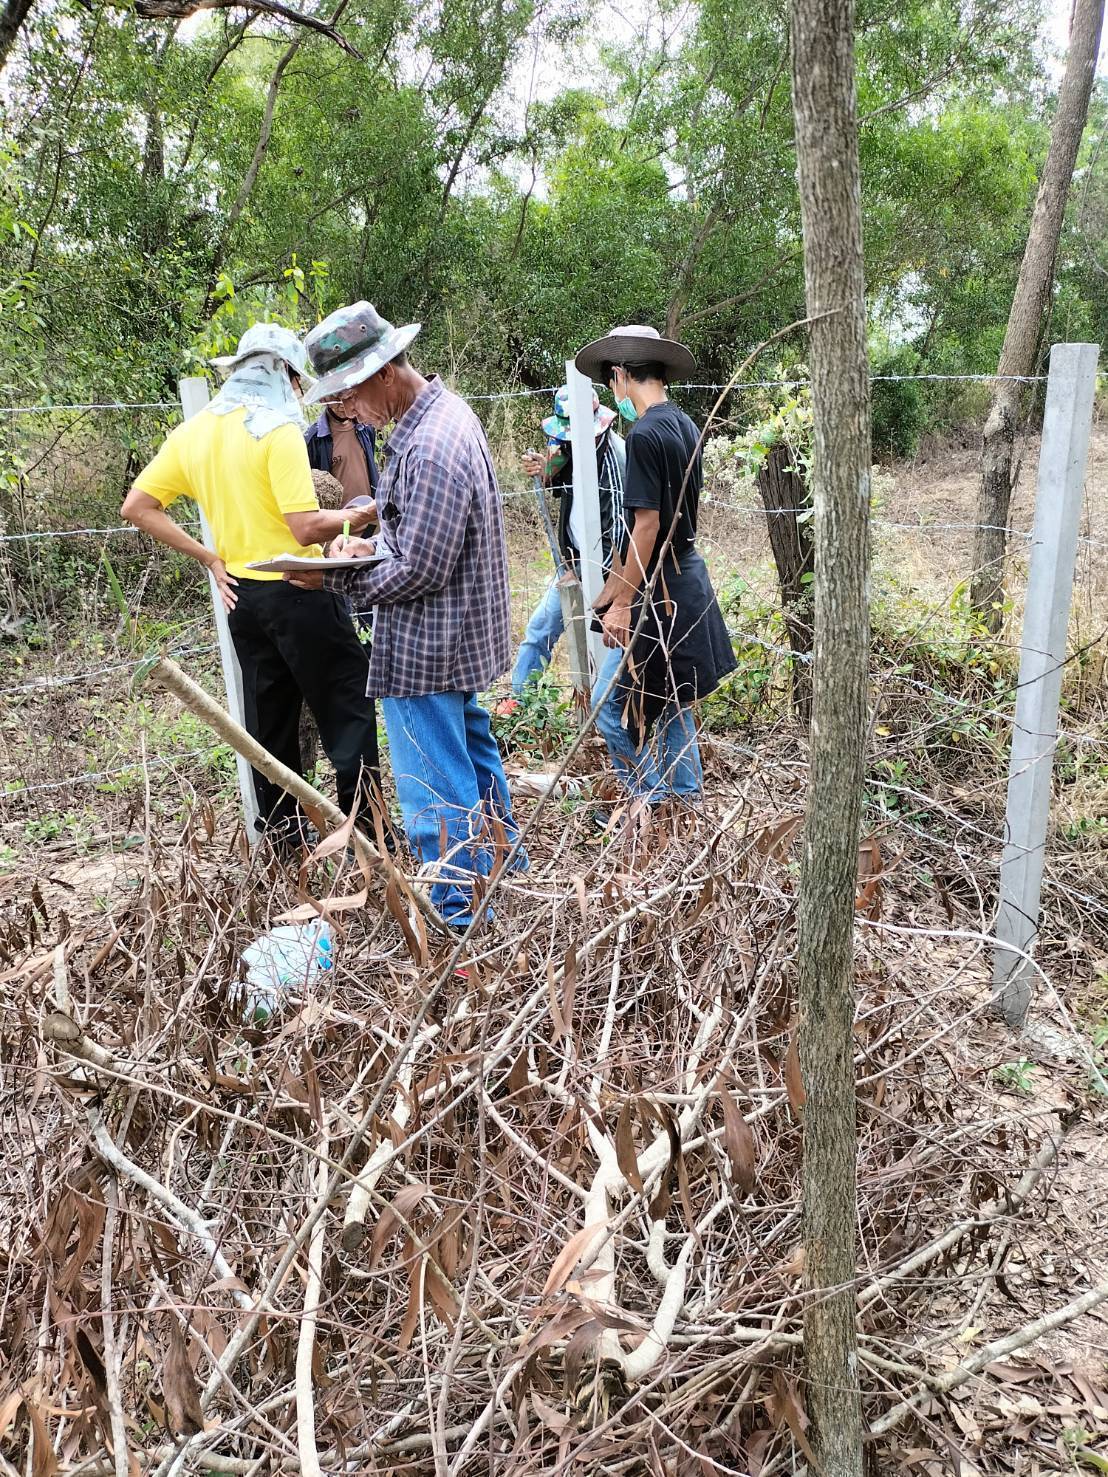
(556, 427)
(267, 338)
(349, 346)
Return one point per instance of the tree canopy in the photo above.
(516, 174)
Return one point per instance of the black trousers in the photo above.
(296, 646)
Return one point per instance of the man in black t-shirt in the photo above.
(682, 649)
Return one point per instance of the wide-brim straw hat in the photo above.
(634, 343)
(350, 346)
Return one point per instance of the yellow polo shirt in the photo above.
(244, 485)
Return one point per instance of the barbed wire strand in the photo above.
(107, 774)
(111, 405)
(105, 405)
(93, 674)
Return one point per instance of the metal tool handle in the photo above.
(551, 536)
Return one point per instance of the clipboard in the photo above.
(296, 563)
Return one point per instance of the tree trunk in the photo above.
(824, 107)
(12, 17)
(785, 498)
(1025, 319)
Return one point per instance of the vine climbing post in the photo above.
(824, 107)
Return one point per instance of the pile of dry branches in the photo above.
(538, 1210)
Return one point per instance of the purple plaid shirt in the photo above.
(441, 598)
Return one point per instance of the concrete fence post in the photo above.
(1069, 407)
(586, 497)
(194, 396)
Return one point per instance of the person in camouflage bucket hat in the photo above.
(351, 345)
(441, 598)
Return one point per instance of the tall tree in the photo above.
(1028, 312)
(825, 111)
(12, 16)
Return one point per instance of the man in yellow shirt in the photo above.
(244, 461)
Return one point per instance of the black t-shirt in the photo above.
(661, 450)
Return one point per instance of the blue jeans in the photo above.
(540, 638)
(669, 764)
(450, 784)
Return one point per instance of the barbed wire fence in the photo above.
(688, 1017)
(922, 556)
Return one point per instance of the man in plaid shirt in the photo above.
(440, 596)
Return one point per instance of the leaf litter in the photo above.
(569, 1232)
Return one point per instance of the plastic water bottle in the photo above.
(280, 961)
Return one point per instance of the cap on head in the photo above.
(267, 338)
(556, 426)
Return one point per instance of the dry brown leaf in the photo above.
(182, 1401)
(738, 1140)
(626, 1157)
(569, 985)
(555, 1420)
(707, 892)
(794, 1082)
(757, 1444)
(43, 1461)
(441, 1295)
(403, 1203)
(774, 841)
(517, 1077)
(582, 896)
(9, 1409)
(787, 1406)
(411, 1316)
(570, 1255)
(555, 1007)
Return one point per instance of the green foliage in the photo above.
(542, 723)
(149, 207)
(1015, 1076)
(781, 416)
(898, 409)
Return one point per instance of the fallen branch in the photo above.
(111, 1353)
(999, 1349)
(181, 9)
(183, 1214)
(64, 1032)
(305, 1347)
(992, 1211)
(353, 1225)
(197, 701)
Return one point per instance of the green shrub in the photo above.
(898, 408)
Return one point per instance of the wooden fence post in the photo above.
(1069, 411)
(194, 396)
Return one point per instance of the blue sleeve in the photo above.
(319, 450)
